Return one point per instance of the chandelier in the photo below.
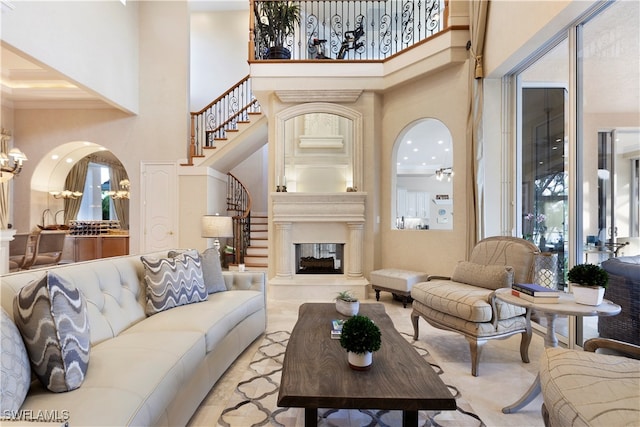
(444, 173)
(10, 160)
(121, 194)
(66, 194)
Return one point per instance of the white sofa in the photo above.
(146, 371)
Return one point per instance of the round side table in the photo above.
(567, 307)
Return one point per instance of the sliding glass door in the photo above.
(578, 127)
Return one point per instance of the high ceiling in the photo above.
(26, 83)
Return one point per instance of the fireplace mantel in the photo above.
(319, 207)
(313, 218)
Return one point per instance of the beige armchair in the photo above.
(466, 301)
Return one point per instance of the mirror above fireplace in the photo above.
(319, 149)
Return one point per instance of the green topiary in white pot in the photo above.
(360, 337)
(588, 282)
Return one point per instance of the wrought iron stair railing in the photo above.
(221, 116)
(239, 205)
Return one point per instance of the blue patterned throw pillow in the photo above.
(15, 372)
(51, 314)
(173, 281)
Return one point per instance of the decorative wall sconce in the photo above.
(66, 194)
(444, 173)
(121, 194)
(10, 160)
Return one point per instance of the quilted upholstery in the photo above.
(581, 388)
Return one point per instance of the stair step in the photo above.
(257, 251)
(262, 235)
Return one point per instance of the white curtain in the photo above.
(121, 206)
(75, 182)
(478, 10)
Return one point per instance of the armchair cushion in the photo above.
(484, 276)
(467, 302)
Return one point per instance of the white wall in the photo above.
(219, 43)
(158, 133)
(93, 43)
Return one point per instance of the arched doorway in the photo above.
(82, 187)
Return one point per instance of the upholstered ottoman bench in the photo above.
(398, 282)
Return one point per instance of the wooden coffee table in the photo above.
(316, 374)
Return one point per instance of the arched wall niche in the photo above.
(422, 177)
(335, 149)
(50, 175)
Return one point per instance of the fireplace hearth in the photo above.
(319, 258)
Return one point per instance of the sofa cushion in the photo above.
(173, 281)
(51, 315)
(14, 366)
(584, 388)
(467, 302)
(133, 380)
(213, 318)
(212, 271)
(485, 276)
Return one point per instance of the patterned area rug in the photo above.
(254, 401)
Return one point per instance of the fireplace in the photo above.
(319, 258)
(332, 225)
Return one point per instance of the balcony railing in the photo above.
(353, 30)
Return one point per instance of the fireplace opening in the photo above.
(319, 258)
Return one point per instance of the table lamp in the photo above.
(217, 227)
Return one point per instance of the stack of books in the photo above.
(336, 328)
(535, 293)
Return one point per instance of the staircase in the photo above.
(256, 255)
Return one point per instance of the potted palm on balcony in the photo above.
(275, 22)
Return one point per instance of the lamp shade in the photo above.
(216, 226)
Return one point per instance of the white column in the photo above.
(356, 248)
(283, 250)
(6, 236)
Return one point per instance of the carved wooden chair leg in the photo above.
(475, 346)
(414, 320)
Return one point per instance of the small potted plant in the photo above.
(360, 337)
(347, 303)
(588, 282)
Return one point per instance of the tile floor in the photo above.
(502, 380)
